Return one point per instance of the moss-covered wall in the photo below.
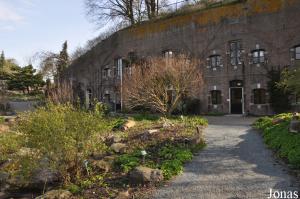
(212, 16)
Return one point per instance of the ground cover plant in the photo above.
(70, 148)
(276, 135)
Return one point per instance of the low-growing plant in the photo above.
(278, 138)
(127, 162)
(171, 168)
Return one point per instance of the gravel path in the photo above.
(234, 165)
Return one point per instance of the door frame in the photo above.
(243, 102)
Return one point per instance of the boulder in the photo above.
(294, 126)
(110, 159)
(3, 179)
(277, 120)
(56, 194)
(119, 147)
(101, 165)
(123, 195)
(113, 139)
(152, 131)
(129, 124)
(44, 176)
(144, 175)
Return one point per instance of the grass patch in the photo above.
(278, 138)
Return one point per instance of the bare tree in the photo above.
(102, 11)
(162, 83)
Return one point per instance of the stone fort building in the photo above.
(237, 43)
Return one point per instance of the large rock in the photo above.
(294, 126)
(119, 147)
(42, 177)
(101, 165)
(123, 195)
(144, 175)
(113, 139)
(129, 124)
(277, 120)
(56, 194)
(3, 179)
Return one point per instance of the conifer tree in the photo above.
(63, 59)
(2, 60)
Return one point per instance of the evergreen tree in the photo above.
(25, 78)
(63, 59)
(2, 60)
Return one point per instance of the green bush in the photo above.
(278, 138)
(64, 135)
(127, 162)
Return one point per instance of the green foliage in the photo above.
(63, 59)
(174, 156)
(63, 134)
(25, 78)
(9, 143)
(73, 188)
(277, 137)
(279, 96)
(127, 162)
(100, 108)
(1, 120)
(171, 168)
(2, 61)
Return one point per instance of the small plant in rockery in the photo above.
(100, 108)
(174, 156)
(127, 162)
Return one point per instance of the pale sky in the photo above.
(29, 26)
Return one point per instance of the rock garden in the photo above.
(60, 151)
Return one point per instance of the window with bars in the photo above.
(258, 56)
(259, 96)
(216, 97)
(215, 61)
(235, 52)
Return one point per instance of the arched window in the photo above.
(258, 56)
(259, 96)
(216, 97)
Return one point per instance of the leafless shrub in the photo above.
(62, 93)
(161, 83)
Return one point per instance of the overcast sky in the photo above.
(28, 26)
